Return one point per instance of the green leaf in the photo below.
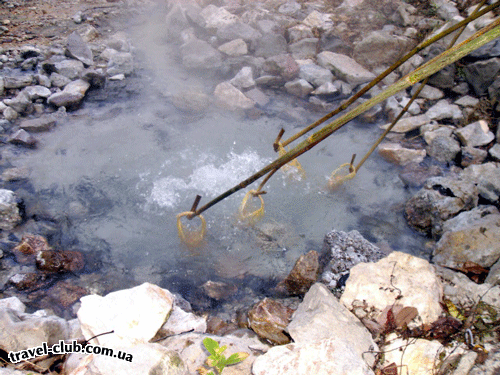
(211, 345)
(221, 349)
(236, 358)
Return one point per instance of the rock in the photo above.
(17, 82)
(21, 331)
(493, 277)
(306, 48)
(23, 281)
(40, 124)
(475, 134)
(345, 250)
(467, 101)
(29, 247)
(19, 103)
(198, 54)
(303, 275)
(299, 87)
(481, 74)
(60, 261)
(191, 101)
(9, 210)
(282, 65)
(321, 317)
(77, 49)
(219, 290)
(268, 319)
(176, 22)
(487, 179)
(36, 92)
(12, 303)
(399, 277)
(327, 89)
(96, 79)
(216, 17)
(415, 175)
(238, 30)
(320, 357)
(418, 357)
(181, 321)
(299, 32)
(71, 96)
(380, 48)
(231, 98)
(440, 199)
(65, 294)
(71, 69)
(433, 130)
(58, 80)
(23, 138)
(236, 47)
(444, 110)
(134, 314)
(120, 63)
(472, 155)
(470, 236)
(119, 42)
(10, 114)
(270, 45)
(315, 75)
(257, 96)
(318, 20)
(395, 153)
(443, 149)
(344, 67)
(243, 79)
(408, 124)
(289, 8)
(429, 93)
(495, 152)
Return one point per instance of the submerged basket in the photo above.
(343, 173)
(253, 216)
(191, 238)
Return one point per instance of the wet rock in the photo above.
(443, 149)
(315, 75)
(198, 54)
(36, 92)
(71, 96)
(22, 331)
(327, 89)
(40, 124)
(230, 97)
(433, 130)
(181, 321)
(120, 63)
(9, 210)
(270, 45)
(96, 79)
(134, 314)
(238, 30)
(475, 134)
(481, 74)
(344, 251)
(216, 17)
(29, 247)
(408, 124)
(470, 236)
(282, 65)
(440, 199)
(415, 175)
(268, 319)
(410, 280)
(258, 97)
(23, 281)
(444, 110)
(69, 68)
(397, 154)
(472, 155)
(495, 152)
(23, 138)
(17, 82)
(236, 47)
(19, 103)
(60, 261)
(304, 49)
(299, 87)
(303, 275)
(77, 49)
(191, 101)
(344, 67)
(487, 179)
(219, 290)
(10, 114)
(65, 294)
(380, 48)
(243, 79)
(15, 174)
(429, 93)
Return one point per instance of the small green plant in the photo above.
(217, 359)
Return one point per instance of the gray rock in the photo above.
(306, 48)
(270, 81)
(70, 68)
(429, 92)
(487, 179)
(481, 74)
(299, 87)
(462, 88)
(12, 303)
(444, 110)
(327, 89)
(345, 250)
(443, 149)
(318, 20)
(230, 97)
(475, 134)
(176, 22)
(72, 94)
(258, 97)
(36, 92)
(10, 114)
(40, 124)
(120, 63)
(408, 124)
(216, 17)
(2, 86)
(299, 32)
(236, 47)
(470, 236)
(495, 152)
(19, 103)
(244, 79)
(9, 210)
(270, 45)
(18, 82)
(315, 74)
(77, 49)
(445, 9)
(238, 30)
(58, 80)
(191, 101)
(198, 54)
(472, 155)
(491, 49)
(344, 67)
(380, 48)
(282, 65)
(467, 101)
(23, 138)
(493, 277)
(95, 78)
(397, 154)
(119, 42)
(290, 8)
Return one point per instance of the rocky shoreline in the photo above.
(448, 150)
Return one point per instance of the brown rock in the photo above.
(66, 294)
(60, 261)
(29, 247)
(217, 326)
(23, 138)
(23, 281)
(219, 290)
(268, 319)
(303, 275)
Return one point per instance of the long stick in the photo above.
(479, 39)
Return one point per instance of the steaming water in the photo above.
(122, 170)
